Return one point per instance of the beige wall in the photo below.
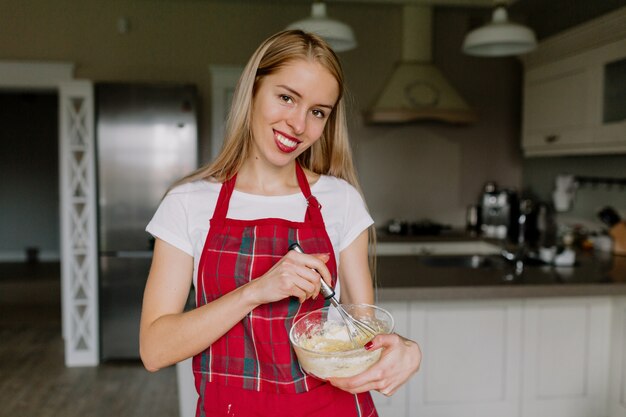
(411, 171)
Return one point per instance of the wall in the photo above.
(540, 173)
(430, 170)
(410, 171)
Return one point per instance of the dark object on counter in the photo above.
(499, 214)
(421, 228)
(473, 219)
(609, 216)
(427, 228)
(398, 227)
(617, 229)
(542, 230)
(536, 226)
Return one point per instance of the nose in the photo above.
(297, 121)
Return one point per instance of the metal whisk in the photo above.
(358, 331)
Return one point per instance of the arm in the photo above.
(168, 335)
(354, 272)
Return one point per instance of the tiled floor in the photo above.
(33, 378)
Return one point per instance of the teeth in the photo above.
(287, 142)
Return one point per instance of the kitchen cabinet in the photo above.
(513, 358)
(557, 116)
(471, 358)
(574, 98)
(566, 347)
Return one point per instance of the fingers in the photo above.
(399, 360)
(301, 274)
(314, 262)
(347, 384)
(324, 272)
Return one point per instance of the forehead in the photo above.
(307, 77)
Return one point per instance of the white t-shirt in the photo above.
(182, 219)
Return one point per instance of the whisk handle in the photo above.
(326, 290)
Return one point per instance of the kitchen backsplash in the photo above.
(539, 176)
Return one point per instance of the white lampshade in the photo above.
(338, 35)
(500, 37)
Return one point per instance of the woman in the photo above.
(284, 175)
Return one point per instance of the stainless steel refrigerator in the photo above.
(146, 139)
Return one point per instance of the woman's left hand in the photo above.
(400, 359)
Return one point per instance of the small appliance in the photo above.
(499, 212)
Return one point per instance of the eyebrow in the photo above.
(295, 93)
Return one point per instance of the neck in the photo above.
(256, 179)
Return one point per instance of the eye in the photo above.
(319, 113)
(286, 98)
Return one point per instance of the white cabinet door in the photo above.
(617, 392)
(396, 405)
(557, 100)
(471, 363)
(575, 105)
(566, 357)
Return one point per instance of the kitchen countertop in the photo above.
(407, 277)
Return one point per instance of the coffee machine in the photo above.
(499, 212)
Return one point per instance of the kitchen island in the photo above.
(549, 342)
(404, 277)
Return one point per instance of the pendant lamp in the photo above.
(499, 37)
(338, 35)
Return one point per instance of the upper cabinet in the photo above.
(575, 91)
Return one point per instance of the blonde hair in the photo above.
(330, 155)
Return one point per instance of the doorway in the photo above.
(30, 274)
(29, 172)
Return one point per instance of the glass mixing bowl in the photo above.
(323, 346)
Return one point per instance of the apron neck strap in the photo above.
(313, 210)
(221, 208)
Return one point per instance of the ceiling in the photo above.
(548, 17)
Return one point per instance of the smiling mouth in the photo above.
(284, 143)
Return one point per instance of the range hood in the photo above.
(417, 90)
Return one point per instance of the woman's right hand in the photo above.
(295, 275)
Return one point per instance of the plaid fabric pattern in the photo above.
(256, 354)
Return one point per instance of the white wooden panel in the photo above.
(562, 341)
(617, 395)
(566, 357)
(79, 271)
(454, 378)
(471, 359)
(397, 404)
(557, 102)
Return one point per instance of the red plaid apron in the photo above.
(252, 370)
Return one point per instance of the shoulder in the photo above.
(192, 188)
(330, 184)
(190, 194)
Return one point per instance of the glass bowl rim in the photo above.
(345, 352)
